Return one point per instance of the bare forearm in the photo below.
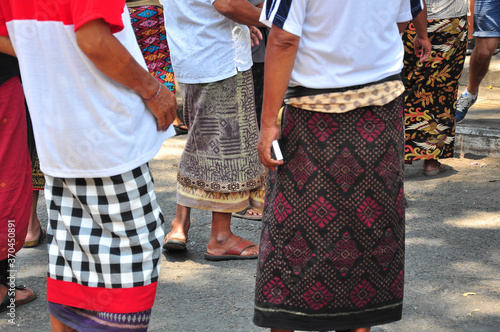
(420, 23)
(240, 11)
(113, 59)
(6, 46)
(280, 57)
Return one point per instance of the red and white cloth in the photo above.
(94, 138)
(86, 125)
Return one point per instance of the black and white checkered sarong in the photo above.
(104, 232)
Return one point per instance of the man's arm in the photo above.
(240, 11)
(6, 46)
(113, 59)
(421, 42)
(281, 51)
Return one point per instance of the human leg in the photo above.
(176, 239)
(478, 67)
(222, 240)
(58, 326)
(470, 30)
(35, 231)
(480, 61)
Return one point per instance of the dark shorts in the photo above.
(487, 18)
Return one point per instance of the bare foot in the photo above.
(252, 212)
(233, 242)
(431, 164)
(180, 225)
(433, 167)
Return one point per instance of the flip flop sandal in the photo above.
(436, 171)
(7, 299)
(234, 253)
(36, 242)
(174, 245)
(179, 130)
(243, 214)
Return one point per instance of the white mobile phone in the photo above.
(277, 151)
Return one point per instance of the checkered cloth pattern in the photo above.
(104, 232)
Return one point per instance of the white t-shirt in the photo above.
(439, 9)
(343, 43)
(85, 124)
(205, 46)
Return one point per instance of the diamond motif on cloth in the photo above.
(386, 250)
(399, 123)
(370, 126)
(317, 296)
(397, 287)
(388, 168)
(400, 203)
(362, 294)
(322, 126)
(301, 167)
(369, 211)
(289, 126)
(344, 254)
(265, 247)
(148, 23)
(345, 169)
(147, 13)
(281, 208)
(321, 212)
(275, 291)
(298, 253)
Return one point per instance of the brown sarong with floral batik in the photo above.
(219, 168)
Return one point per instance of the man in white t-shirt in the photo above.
(219, 171)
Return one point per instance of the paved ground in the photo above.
(452, 274)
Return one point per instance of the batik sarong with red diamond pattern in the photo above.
(332, 244)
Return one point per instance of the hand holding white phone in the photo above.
(277, 151)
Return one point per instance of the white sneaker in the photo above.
(465, 101)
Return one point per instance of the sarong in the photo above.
(95, 321)
(219, 169)
(15, 169)
(104, 242)
(430, 98)
(332, 246)
(149, 29)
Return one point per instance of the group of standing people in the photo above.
(331, 253)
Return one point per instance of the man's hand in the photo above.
(163, 107)
(107, 53)
(266, 138)
(255, 35)
(422, 47)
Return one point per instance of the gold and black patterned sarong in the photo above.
(430, 97)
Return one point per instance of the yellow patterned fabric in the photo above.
(341, 102)
(220, 202)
